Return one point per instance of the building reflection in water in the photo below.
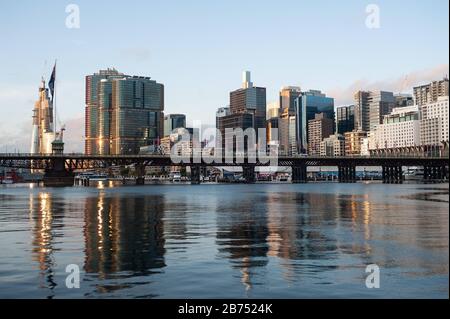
(47, 224)
(123, 235)
(295, 228)
(242, 236)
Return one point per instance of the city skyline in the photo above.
(339, 76)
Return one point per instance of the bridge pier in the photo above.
(347, 174)
(248, 172)
(435, 173)
(392, 174)
(299, 174)
(140, 174)
(195, 174)
(57, 175)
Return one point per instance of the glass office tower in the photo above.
(307, 105)
(123, 113)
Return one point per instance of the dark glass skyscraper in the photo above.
(308, 104)
(345, 119)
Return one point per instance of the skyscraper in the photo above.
(318, 128)
(381, 103)
(43, 127)
(362, 113)
(173, 121)
(370, 107)
(430, 93)
(307, 105)
(247, 109)
(287, 133)
(249, 99)
(288, 94)
(91, 117)
(123, 113)
(345, 119)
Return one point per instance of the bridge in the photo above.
(59, 168)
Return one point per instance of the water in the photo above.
(225, 241)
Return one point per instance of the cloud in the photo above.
(403, 84)
(20, 140)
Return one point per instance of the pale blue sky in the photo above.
(198, 49)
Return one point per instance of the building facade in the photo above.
(287, 133)
(353, 142)
(318, 128)
(123, 113)
(273, 110)
(370, 108)
(400, 129)
(307, 105)
(231, 122)
(333, 146)
(250, 99)
(173, 121)
(345, 119)
(434, 123)
(402, 100)
(288, 95)
(429, 93)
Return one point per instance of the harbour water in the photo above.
(225, 241)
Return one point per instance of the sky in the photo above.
(199, 48)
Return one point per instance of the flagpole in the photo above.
(54, 103)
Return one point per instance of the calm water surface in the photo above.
(225, 241)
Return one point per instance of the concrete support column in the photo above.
(140, 174)
(347, 173)
(195, 174)
(57, 175)
(248, 171)
(299, 174)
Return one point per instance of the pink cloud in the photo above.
(402, 84)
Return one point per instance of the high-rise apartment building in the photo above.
(333, 146)
(345, 119)
(353, 142)
(429, 93)
(172, 122)
(123, 113)
(434, 122)
(318, 128)
(307, 105)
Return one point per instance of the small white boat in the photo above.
(175, 177)
(414, 174)
(8, 180)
